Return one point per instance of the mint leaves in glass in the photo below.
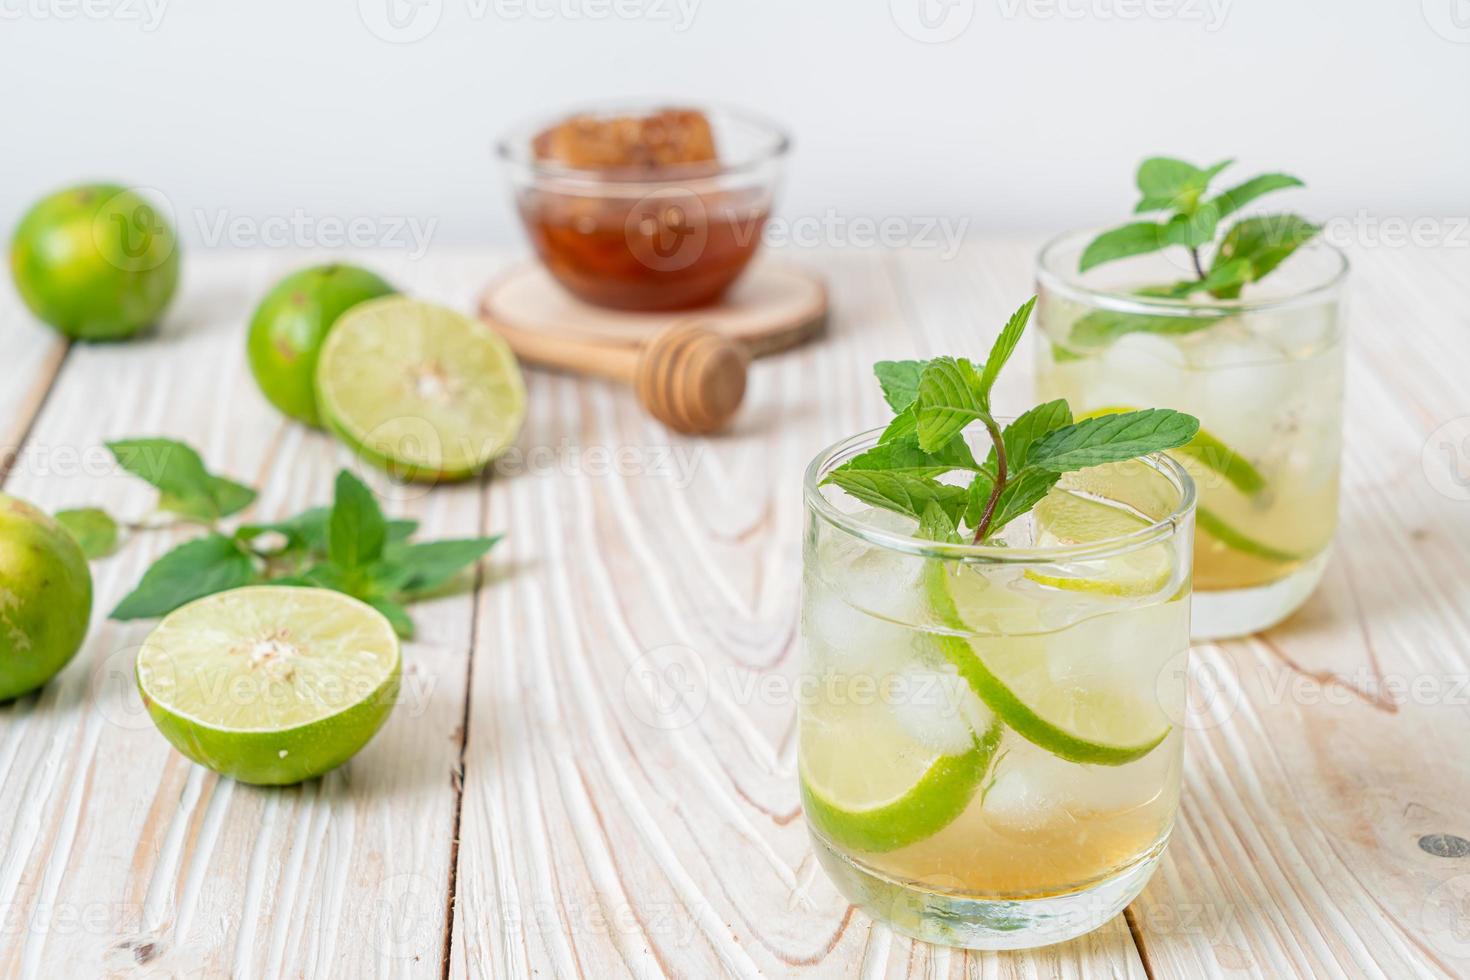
(1210, 304)
(996, 618)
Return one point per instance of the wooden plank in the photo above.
(602, 836)
(124, 858)
(34, 354)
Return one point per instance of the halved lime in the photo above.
(1091, 723)
(1064, 518)
(868, 785)
(270, 684)
(1208, 450)
(419, 390)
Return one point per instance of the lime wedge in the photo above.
(1208, 450)
(420, 390)
(1064, 518)
(869, 785)
(1099, 725)
(270, 684)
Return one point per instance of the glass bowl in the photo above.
(662, 238)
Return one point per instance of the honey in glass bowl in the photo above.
(651, 209)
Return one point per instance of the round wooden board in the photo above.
(771, 308)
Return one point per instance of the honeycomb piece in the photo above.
(667, 138)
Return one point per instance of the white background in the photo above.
(1029, 117)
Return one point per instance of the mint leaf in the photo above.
(901, 492)
(899, 381)
(903, 428)
(936, 525)
(1194, 228)
(1112, 438)
(1138, 238)
(396, 615)
(905, 456)
(93, 528)
(1028, 427)
(307, 531)
(356, 531)
(1101, 327)
(185, 487)
(1174, 184)
(1021, 494)
(950, 398)
(1004, 346)
(1225, 278)
(191, 571)
(1264, 242)
(1242, 194)
(1025, 485)
(429, 564)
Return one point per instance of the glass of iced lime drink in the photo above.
(988, 749)
(1263, 372)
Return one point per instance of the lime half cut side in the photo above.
(422, 391)
(1097, 724)
(270, 684)
(868, 784)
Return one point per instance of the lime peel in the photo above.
(930, 805)
(1003, 701)
(1211, 524)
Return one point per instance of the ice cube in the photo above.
(936, 707)
(1034, 790)
(1137, 370)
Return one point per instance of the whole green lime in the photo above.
(290, 324)
(45, 597)
(97, 262)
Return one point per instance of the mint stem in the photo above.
(1000, 480)
(1199, 268)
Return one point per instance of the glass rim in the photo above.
(513, 149)
(1066, 282)
(1159, 530)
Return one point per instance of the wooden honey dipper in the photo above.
(689, 378)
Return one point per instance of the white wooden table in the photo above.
(529, 809)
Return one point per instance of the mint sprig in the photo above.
(913, 467)
(348, 546)
(1245, 253)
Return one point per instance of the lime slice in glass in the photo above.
(1102, 724)
(1207, 450)
(1064, 518)
(270, 684)
(422, 391)
(869, 784)
(1211, 524)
